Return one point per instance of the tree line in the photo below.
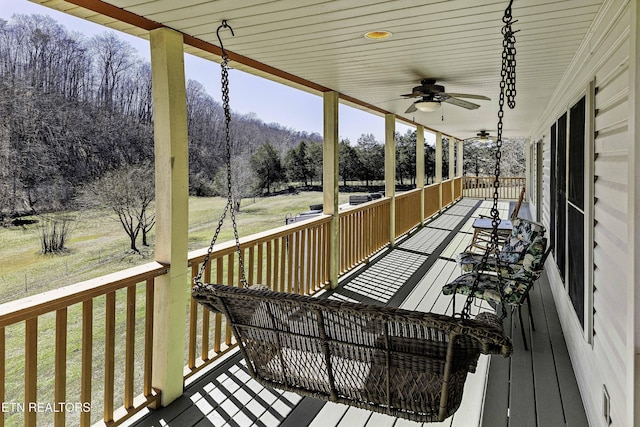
(77, 117)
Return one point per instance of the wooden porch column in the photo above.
(452, 163)
(390, 170)
(527, 165)
(172, 198)
(460, 171)
(452, 158)
(439, 166)
(420, 167)
(330, 182)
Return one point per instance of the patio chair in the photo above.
(482, 227)
(523, 233)
(515, 286)
(405, 364)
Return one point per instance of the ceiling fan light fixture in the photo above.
(378, 35)
(427, 106)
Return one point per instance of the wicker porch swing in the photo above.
(402, 363)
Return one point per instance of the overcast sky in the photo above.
(271, 102)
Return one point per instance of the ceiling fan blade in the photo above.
(411, 109)
(466, 95)
(412, 95)
(460, 103)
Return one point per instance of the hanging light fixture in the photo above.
(427, 106)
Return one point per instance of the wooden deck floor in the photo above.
(532, 388)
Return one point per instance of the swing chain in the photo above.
(508, 91)
(224, 67)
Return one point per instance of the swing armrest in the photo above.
(204, 294)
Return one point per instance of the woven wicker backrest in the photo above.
(406, 364)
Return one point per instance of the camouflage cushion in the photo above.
(515, 284)
(524, 232)
(487, 289)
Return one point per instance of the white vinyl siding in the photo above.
(605, 60)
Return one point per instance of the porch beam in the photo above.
(390, 170)
(420, 167)
(172, 198)
(330, 189)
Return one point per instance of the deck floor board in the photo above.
(547, 390)
(534, 388)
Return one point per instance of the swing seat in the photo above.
(402, 363)
(485, 284)
(511, 254)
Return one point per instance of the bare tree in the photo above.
(129, 192)
(113, 59)
(242, 181)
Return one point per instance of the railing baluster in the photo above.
(60, 381)
(30, 370)
(294, 263)
(269, 263)
(206, 316)
(129, 353)
(193, 324)
(260, 263)
(109, 356)
(217, 333)
(230, 267)
(311, 259)
(87, 358)
(252, 264)
(283, 259)
(148, 337)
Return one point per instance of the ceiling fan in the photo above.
(431, 95)
(483, 135)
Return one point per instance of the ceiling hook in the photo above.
(223, 25)
(507, 12)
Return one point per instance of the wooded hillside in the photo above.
(74, 108)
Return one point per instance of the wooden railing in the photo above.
(482, 187)
(290, 259)
(407, 211)
(363, 231)
(47, 347)
(457, 188)
(431, 200)
(293, 258)
(447, 192)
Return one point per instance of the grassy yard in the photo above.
(99, 246)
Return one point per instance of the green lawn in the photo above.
(98, 244)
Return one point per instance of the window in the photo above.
(561, 196)
(575, 208)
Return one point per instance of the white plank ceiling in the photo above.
(458, 42)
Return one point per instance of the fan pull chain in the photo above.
(224, 68)
(508, 91)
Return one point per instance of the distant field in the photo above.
(99, 246)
